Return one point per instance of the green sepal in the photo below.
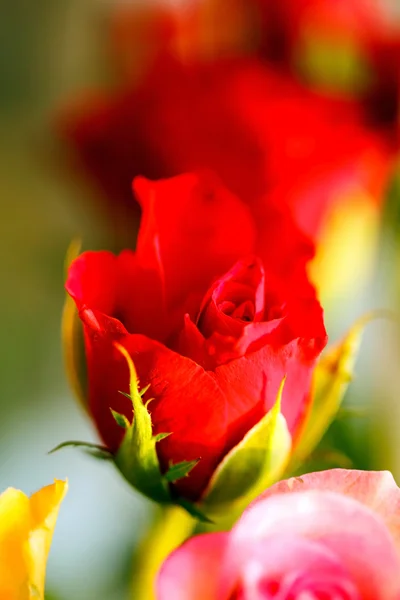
(72, 338)
(137, 456)
(179, 470)
(93, 449)
(193, 510)
(141, 392)
(332, 376)
(254, 464)
(120, 419)
(161, 436)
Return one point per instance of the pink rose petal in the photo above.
(192, 571)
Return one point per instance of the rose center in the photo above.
(244, 311)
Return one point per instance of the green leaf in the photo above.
(332, 376)
(180, 470)
(254, 464)
(137, 457)
(93, 449)
(120, 419)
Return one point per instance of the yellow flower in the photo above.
(26, 531)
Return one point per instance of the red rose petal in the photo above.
(202, 230)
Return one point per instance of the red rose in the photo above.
(214, 308)
(259, 130)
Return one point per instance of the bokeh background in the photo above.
(49, 52)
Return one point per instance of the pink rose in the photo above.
(333, 535)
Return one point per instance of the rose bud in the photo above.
(213, 329)
(26, 530)
(333, 535)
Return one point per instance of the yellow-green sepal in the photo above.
(137, 456)
(95, 450)
(331, 378)
(72, 338)
(251, 466)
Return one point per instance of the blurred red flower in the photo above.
(261, 131)
(361, 38)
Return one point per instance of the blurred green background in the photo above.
(48, 51)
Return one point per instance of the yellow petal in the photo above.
(14, 532)
(26, 531)
(44, 506)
